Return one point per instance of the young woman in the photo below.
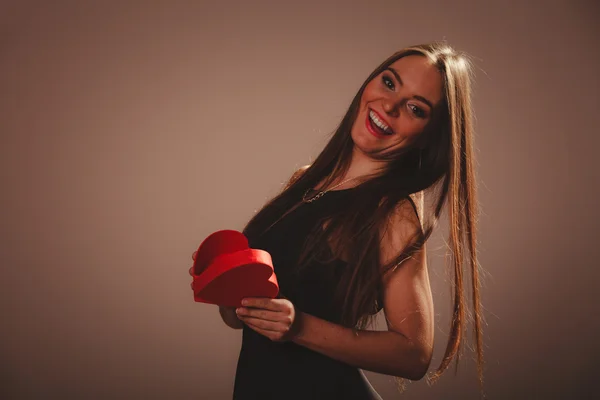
(348, 240)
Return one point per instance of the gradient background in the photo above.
(132, 130)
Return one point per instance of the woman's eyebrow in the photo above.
(416, 97)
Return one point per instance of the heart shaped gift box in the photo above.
(226, 270)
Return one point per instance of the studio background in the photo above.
(132, 130)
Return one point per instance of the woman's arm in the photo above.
(405, 350)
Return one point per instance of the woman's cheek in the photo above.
(415, 129)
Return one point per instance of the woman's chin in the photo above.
(366, 142)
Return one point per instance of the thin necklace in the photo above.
(321, 193)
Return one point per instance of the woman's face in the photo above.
(397, 105)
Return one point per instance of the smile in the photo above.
(376, 126)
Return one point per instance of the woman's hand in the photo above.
(273, 318)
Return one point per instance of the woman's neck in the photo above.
(361, 165)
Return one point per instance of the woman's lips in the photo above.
(374, 131)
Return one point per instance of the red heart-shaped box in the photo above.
(226, 270)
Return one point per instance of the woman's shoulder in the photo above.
(417, 201)
(300, 171)
(407, 212)
(296, 175)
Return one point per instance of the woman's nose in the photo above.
(391, 106)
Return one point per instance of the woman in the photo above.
(347, 240)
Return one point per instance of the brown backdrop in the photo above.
(130, 131)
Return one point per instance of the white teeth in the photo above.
(380, 123)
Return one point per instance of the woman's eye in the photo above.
(388, 82)
(417, 111)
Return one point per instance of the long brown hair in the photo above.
(440, 163)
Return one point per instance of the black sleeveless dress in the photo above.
(276, 370)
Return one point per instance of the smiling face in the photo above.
(397, 105)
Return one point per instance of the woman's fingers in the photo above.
(272, 318)
(263, 324)
(272, 330)
(268, 334)
(259, 313)
(263, 302)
